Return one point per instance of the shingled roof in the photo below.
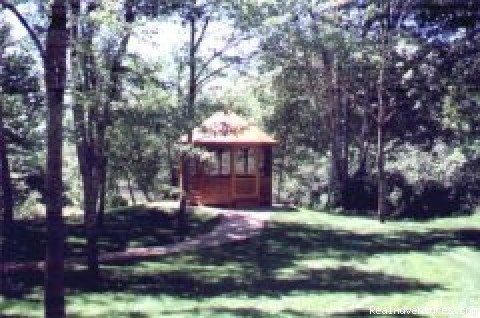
(228, 128)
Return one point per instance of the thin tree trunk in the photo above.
(346, 143)
(281, 172)
(90, 207)
(113, 94)
(103, 193)
(363, 143)
(381, 119)
(381, 149)
(335, 184)
(171, 167)
(182, 212)
(192, 92)
(85, 80)
(130, 189)
(55, 76)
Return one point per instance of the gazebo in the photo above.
(240, 171)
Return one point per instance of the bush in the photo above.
(117, 201)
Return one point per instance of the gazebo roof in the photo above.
(228, 128)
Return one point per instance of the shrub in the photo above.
(117, 201)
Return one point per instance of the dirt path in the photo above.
(236, 225)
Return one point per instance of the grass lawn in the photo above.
(138, 226)
(305, 264)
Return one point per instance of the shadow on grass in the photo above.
(246, 312)
(189, 285)
(252, 267)
(288, 313)
(282, 243)
(123, 228)
(366, 313)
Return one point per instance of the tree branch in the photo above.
(202, 34)
(212, 74)
(389, 117)
(229, 44)
(33, 35)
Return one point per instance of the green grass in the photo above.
(304, 264)
(137, 226)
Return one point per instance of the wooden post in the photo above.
(232, 174)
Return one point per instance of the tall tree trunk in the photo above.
(91, 124)
(363, 142)
(3, 274)
(192, 93)
(382, 110)
(83, 67)
(6, 199)
(55, 75)
(5, 177)
(336, 175)
(346, 142)
(3, 226)
(381, 148)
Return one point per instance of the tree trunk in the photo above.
(83, 67)
(336, 174)
(5, 177)
(363, 143)
(92, 250)
(192, 92)
(130, 189)
(102, 193)
(171, 166)
(55, 76)
(382, 114)
(182, 212)
(345, 143)
(6, 200)
(280, 181)
(381, 148)
(90, 207)
(3, 227)
(3, 274)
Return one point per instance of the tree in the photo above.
(55, 76)
(189, 110)
(91, 114)
(6, 199)
(6, 204)
(54, 63)
(382, 113)
(6, 189)
(198, 16)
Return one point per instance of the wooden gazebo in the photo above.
(240, 171)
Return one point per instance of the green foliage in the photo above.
(285, 85)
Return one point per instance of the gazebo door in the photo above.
(245, 175)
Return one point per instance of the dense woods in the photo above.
(374, 104)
